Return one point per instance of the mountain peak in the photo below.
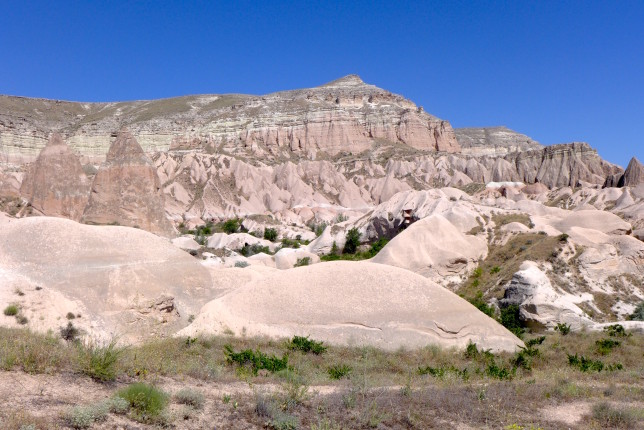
(349, 80)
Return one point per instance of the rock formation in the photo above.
(632, 176)
(56, 185)
(493, 141)
(125, 282)
(352, 303)
(126, 190)
(345, 115)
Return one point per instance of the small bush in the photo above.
(339, 371)
(304, 261)
(118, 405)
(352, 241)
(270, 234)
(82, 417)
(99, 362)
(440, 372)
(231, 226)
(616, 330)
(377, 246)
(241, 264)
(146, 401)
(190, 397)
(494, 371)
(563, 237)
(605, 346)
(638, 313)
(563, 328)
(70, 316)
(610, 417)
(256, 360)
(11, 310)
(480, 304)
(250, 250)
(305, 345)
(510, 319)
(585, 364)
(69, 333)
(494, 270)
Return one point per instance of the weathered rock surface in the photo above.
(632, 176)
(343, 115)
(125, 282)
(352, 303)
(493, 141)
(56, 185)
(541, 306)
(126, 190)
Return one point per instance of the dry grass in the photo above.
(503, 261)
(384, 389)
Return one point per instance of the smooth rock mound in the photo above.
(126, 190)
(56, 184)
(432, 246)
(129, 283)
(352, 303)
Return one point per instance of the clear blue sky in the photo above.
(556, 71)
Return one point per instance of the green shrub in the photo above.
(477, 272)
(305, 345)
(204, 230)
(290, 243)
(494, 371)
(563, 237)
(510, 319)
(11, 310)
(563, 328)
(304, 261)
(605, 346)
(256, 360)
(338, 371)
(480, 304)
(241, 264)
(616, 330)
(638, 313)
(190, 397)
(69, 333)
(352, 241)
(231, 226)
(147, 402)
(585, 364)
(118, 405)
(99, 362)
(250, 250)
(270, 234)
(494, 270)
(377, 246)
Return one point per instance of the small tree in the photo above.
(352, 241)
(231, 226)
(270, 234)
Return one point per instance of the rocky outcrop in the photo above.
(540, 305)
(126, 190)
(55, 185)
(632, 176)
(493, 141)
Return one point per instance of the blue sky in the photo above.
(556, 71)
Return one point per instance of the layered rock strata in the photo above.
(344, 115)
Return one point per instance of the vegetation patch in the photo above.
(306, 345)
(147, 403)
(255, 360)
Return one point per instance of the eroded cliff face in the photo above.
(55, 185)
(345, 115)
(126, 190)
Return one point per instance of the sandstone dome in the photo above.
(129, 282)
(352, 303)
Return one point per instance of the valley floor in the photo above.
(46, 384)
